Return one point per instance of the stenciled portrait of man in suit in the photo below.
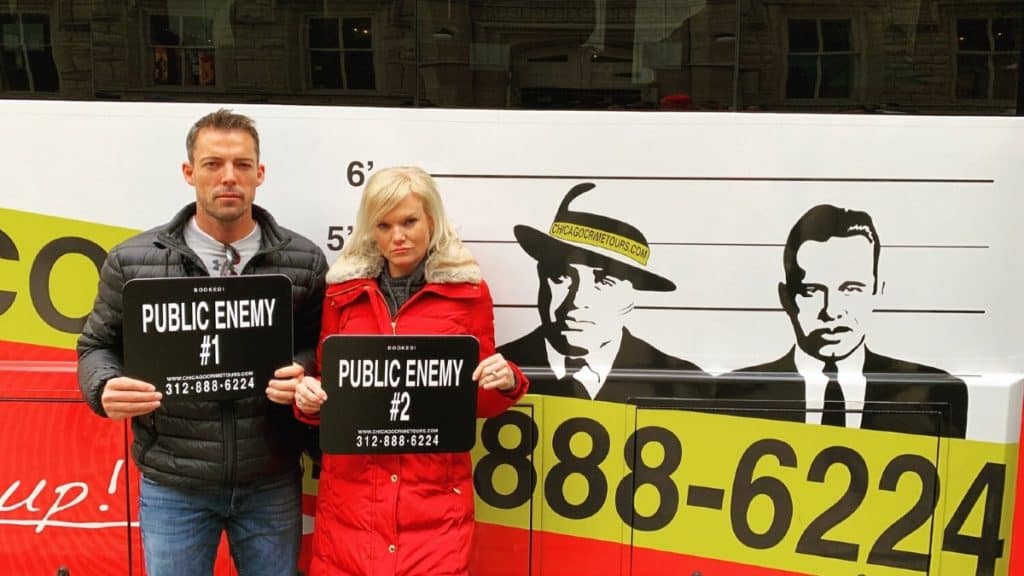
(590, 268)
(830, 289)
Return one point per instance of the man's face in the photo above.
(828, 308)
(225, 173)
(581, 307)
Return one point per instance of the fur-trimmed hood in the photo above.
(458, 267)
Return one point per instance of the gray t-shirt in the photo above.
(216, 255)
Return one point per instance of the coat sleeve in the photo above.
(328, 326)
(308, 315)
(100, 355)
(490, 403)
(311, 419)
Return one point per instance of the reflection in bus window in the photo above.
(896, 56)
(27, 60)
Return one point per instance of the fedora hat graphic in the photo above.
(595, 240)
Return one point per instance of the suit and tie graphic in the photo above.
(831, 266)
(899, 396)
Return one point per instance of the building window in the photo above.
(987, 58)
(820, 59)
(27, 63)
(182, 50)
(341, 53)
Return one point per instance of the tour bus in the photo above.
(758, 261)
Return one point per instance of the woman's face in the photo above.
(403, 235)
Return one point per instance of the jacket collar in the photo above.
(273, 238)
(341, 293)
(351, 267)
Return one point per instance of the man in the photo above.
(590, 267)
(831, 266)
(210, 466)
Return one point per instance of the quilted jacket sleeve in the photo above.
(100, 344)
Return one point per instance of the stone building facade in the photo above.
(928, 56)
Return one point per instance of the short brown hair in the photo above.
(222, 119)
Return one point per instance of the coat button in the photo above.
(392, 548)
(394, 477)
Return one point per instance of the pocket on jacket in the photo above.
(435, 469)
(350, 467)
(150, 439)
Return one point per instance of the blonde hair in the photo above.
(383, 192)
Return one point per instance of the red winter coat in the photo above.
(409, 514)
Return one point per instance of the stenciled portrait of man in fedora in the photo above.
(590, 269)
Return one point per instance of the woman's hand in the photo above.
(494, 372)
(309, 396)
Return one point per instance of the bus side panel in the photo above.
(67, 491)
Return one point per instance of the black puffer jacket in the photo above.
(204, 443)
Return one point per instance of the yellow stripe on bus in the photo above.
(49, 272)
(789, 496)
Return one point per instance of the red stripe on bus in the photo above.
(504, 551)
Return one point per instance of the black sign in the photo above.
(394, 394)
(207, 338)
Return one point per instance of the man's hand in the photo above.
(281, 389)
(125, 397)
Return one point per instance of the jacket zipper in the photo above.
(227, 408)
(228, 419)
(375, 290)
(394, 321)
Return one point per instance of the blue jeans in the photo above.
(181, 528)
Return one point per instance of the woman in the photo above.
(403, 271)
